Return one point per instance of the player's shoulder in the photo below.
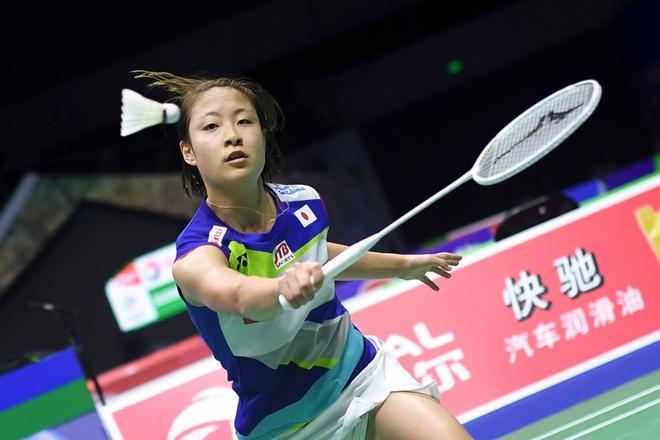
(197, 225)
(294, 192)
(201, 229)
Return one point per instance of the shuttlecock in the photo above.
(138, 112)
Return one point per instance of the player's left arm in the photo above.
(378, 265)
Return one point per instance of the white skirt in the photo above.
(347, 418)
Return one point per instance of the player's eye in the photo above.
(210, 126)
(244, 121)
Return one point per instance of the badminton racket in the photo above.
(524, 141)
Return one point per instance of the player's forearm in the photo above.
(373, 265)
(257, 298)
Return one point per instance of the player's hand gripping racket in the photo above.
(525, 140)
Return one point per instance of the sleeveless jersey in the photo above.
(287, 370)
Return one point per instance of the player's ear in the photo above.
(188, 153)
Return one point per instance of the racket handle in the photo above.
(284, 303)
(341, 262)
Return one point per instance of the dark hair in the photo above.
(187, 90)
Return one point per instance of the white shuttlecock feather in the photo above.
(138, 112)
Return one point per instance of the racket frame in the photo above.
(551, 145)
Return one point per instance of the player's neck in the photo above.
(249, 210)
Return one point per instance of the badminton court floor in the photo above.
(630, 411)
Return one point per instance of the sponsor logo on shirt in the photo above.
(216, 234)
(288, 190)
(282, 255)
(305, 215)
(238, 257)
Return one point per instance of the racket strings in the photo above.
(535, 132)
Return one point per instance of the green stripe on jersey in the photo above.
(261, 263)
(325, 363)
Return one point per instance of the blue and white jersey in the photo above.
(287, 370)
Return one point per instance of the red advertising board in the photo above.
(193, 402)
(517, 317)
(531, 310)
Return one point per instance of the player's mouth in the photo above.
(236, 157)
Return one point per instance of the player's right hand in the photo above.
(299, 283)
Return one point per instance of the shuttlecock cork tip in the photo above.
(172, 113)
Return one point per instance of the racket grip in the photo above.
(284, 303)
(341, 262)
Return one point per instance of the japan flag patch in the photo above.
(305, 215)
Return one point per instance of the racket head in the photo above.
(536, 132)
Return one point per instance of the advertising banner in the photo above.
(194, 402)
(143, 292)
(533, 309)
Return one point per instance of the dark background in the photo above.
(96, 241)
(375, 72)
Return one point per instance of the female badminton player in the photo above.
(304, 373)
